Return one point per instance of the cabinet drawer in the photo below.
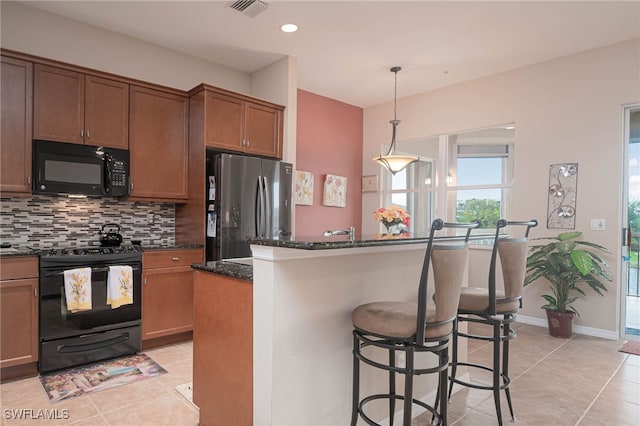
(171, 258)
(12, 268)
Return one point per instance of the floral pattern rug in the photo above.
(74, 382)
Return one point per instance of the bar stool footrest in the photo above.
(437, 419)
(506, 381)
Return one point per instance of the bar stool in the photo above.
(412, 328)
(496, 308)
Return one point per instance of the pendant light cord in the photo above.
(394, 122)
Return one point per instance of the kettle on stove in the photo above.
(111, 235)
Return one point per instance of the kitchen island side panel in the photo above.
(223, 350)
(303, 331)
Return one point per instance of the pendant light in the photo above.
(392, 162)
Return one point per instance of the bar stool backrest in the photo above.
(449, 264)
(513, 256)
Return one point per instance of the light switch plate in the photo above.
(370, 183)
(597, 225)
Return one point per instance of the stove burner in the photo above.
(89, 251)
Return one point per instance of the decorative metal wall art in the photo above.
(563, 188)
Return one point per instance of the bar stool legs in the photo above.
(502, 334)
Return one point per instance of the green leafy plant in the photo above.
(566, 263)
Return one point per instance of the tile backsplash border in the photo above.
(43, 221)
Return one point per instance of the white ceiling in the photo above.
(344, 49)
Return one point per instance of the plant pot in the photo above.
(560, 323)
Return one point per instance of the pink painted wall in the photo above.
(329, 140)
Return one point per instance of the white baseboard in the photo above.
(580, 329)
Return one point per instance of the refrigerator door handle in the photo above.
(258, 218)
(263, 211)
(268, 210)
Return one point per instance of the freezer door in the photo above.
(277, 182)
(239, 192)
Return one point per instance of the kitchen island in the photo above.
(302, 295)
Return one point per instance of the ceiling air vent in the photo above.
(249, 7)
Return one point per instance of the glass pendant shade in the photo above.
(391, 161)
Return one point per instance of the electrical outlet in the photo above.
(597, 225)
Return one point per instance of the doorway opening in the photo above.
(631, 260)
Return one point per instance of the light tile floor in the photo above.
(555, 382)
(580, 381)
(150, 402)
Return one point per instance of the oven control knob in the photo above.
(42, 187)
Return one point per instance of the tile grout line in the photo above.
(601, 390)
(540, 360)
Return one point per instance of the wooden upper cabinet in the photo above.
(16, 103)
(263, 130)
(58, 105)
(224, 121)
(158, 144)
(240, 124)
(72, 107)
(106, 112)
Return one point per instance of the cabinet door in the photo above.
(158, 144)
(263, 130)
(106, 112)
(224, 122)
(16, 111)
(19, 322)
(167, 302)
(58, 105)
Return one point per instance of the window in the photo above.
(459, 177)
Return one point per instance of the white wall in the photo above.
(565, 110)
(40, 33)
(50, 36)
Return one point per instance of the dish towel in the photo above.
(77, 289)
(120, 286)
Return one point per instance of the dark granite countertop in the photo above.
(20, 250)
(342, 241)
(230, 269)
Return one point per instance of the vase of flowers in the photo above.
(395, 219)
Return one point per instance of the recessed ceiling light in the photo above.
(289, 28)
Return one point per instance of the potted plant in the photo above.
(566, 263)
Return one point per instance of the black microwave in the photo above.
(72, 169)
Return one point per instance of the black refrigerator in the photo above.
(246, 197)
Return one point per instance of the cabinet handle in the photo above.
(175, 259)
(35, 292)
(131, 184)
(144, 282)
(88, 135)
(248, 143)
(81, 133)
(28, 180)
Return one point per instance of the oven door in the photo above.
(57, 322)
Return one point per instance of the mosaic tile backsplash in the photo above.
(48, 221)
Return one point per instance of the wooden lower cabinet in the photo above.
(223, 350)
(167, 292)
(18, 311)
